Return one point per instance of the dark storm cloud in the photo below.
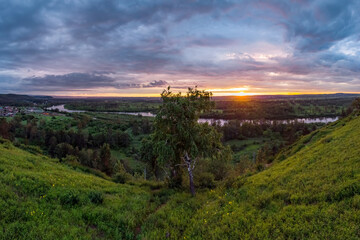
(83, 82)
(317, 25)
(122, 44)
(159, 83)
(71, 81)
(94, 34)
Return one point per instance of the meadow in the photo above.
(41, 198)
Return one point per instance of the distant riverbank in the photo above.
(221, 122)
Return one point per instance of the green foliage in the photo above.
(42, 198)
(121, 177)
(311, 194)
(96, 197)
(356, 104)
(311, 191)
(281, 107)
(137, 105)
(179, 140)
(176, 126)
(204, 180)
(69, 198)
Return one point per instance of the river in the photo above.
(221, 122)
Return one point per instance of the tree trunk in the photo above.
(191, 177)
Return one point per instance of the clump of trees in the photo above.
(179, 141)
(91, 150)
(285, 107)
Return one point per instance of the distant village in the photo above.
(10, 111)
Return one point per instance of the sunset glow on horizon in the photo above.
(137, 48)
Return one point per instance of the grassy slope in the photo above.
(42, 199)
(312, 194)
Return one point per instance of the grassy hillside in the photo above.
(313, 194)
(312, 191)
(43, 199)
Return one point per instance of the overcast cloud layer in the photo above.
(139, 47)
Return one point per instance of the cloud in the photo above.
(93, 45)
(83, 82)
(68, 82)
(320, 24)
(159, 83)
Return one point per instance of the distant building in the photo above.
(33, 110)
(8, 111)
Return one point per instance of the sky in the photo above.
(138, 48)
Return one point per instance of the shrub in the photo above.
(262, 201)
(259, 167)
(121, 177)
(96, 197)
(69, 198)
(282, 195)
(205, 180)
(356, 202)
(349, 190)
(32, 186)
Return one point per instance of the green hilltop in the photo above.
(311, 191)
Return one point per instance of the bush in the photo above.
(69, 198)
(121, 177)
(204, 180)
(259, 167)
(96, 197)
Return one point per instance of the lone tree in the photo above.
(179, 140)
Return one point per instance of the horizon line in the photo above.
(214, 95)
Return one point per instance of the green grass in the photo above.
(313, 194)
(43, 199)
(245, 148)
(134, 165)
(312, 191)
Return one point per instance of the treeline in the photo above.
(289, 131)
(114, 106)
(276, 135)
(280, 108)
(92, 150)
(23, 100)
